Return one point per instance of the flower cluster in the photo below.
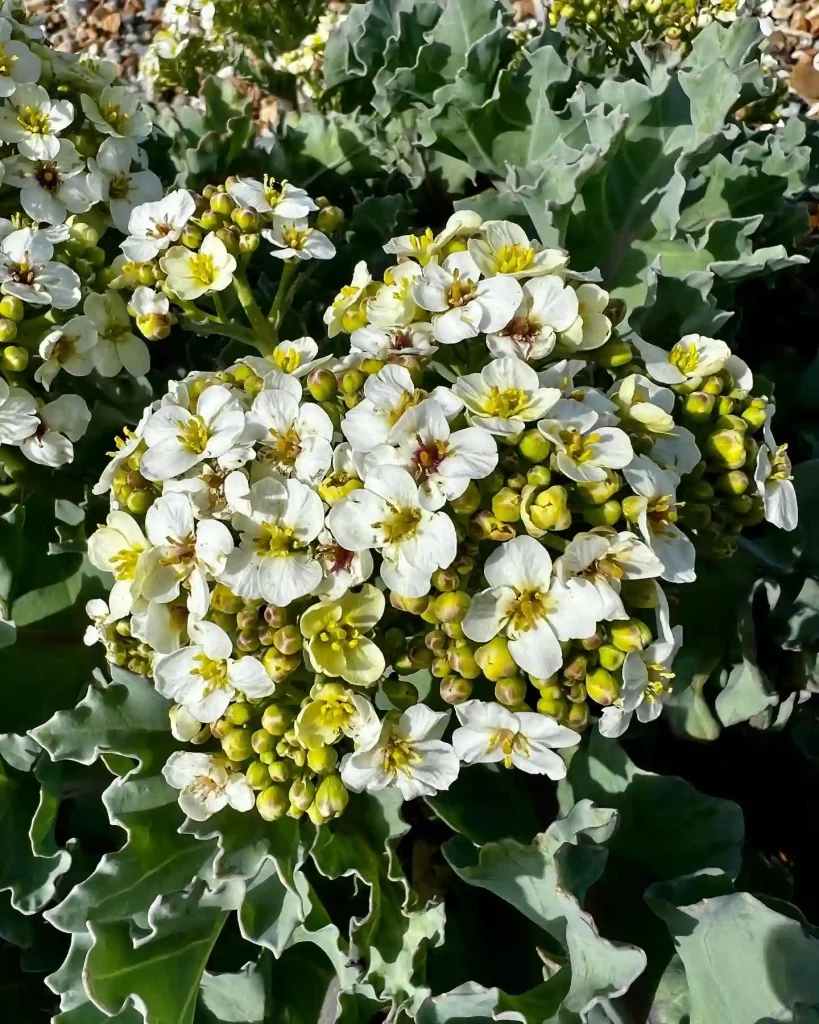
(70, 169)
(621, 24)
(480, 482)
(185, 23)
(306, 61)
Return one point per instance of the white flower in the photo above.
(592, 328)
(118, 548)
(548, 306)
(460, 226)
(442, 461)
(51, 188)
(296, 358)
(585, 449)
(343, 569)
(605, 558)
(184, 726)
(279, 198)
(112, 181)
(504, 396)
(194, 273)
(18, 65)
(646, 679)
(206, 785)
(774, 482)
(394, 304)
(32, 120)
(655, 511)
(163, 627)
(295, 437)
(153, 226)
(295, 240)
(693, 356)
(409, 753)
(27, 271)
(676, 451)
(645, 403)
(215, 492)
(342, 314)
(184, 552)
(275, 560)
(178, 439)
(388, 395)
(463, 305)
(151, 310)
(68, 348)
(491, 733)
(62, 421)
(387, 514)
(532, 608)
(18, 414)
(126, 446)
(204, 678)
(504, 248)
(119, 113)
(116, 346)
(385, 343)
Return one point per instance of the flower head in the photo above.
(491, 733)
(194, 273)
(152, 227)
(504, 396)
(206, 784)
(337, 641)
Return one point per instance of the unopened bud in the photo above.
(272, 803)
(736, 423)
(332, 797)
(263, 741)
(487, 526)
(510, 691)
(14, 358)
(613, 354)
(279, 666)
(400, 692)
(322, 759)
(554, 706)
(697, 407)
(210, 221)
(277, 719)
(239, 713)
(534, 446)
(288, 640)
(575, 669)
(468, 502)
(461, 660)
(413, 605)
(495, 661)
(230, 239)
(713, 385)
(506, 505)
(248, 640)
(598, 492)
(302, 794)
(330, 219)
(222, 204)
(601, 686)
(695, 515)
(256, 775)
(455, 689)
(610, 657)
(278, 771)
(607, 514)
(539, 476)
(12, 308)
(249, 243)
(578, 717)
(452, 607)
(8, 332)
(192, 236)
(726, 448)
(629, 635)
(246, 220)
(237, 744)
(755, 417)
(740, 504)
(550, 511)
(154, 326)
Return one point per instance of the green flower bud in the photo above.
(495, 661)
(246, 220)
(239, 713)
(725, 406)
(755, 417)
(332, 797)
(8, 330)
(237, 744)
(549, 510)
(578, 717)
(322, 385)
(288, 639)
(224, 600)
(302, 794)
(726, 448)
(731, 423)
(629, 635)
(230, 239)
(248, 243)
(603, 515)
(256, 773)
(279, 666)
(436, 640)
(602, 687)
(330, 219)
(713, 385)
(695, 515)
(413, 605)
(419, 656)
(146, 276)
(277, 719)
(278, 771)
(400, 692)
(85, 234)
(697, 407)
(440, 668)
(486, 526)
(461, 659)
(614, 353)
(322, 760)
(534, 446)
(455, 689)
(575, 669)
(210, 221)
(468, 502)
(598, 492)
(610, 657)
(192, 236)
(272, 803)
(506, 505)
(263, 741)
(12, 308)
(222, 204)
(510, 691)
(699, 490)
(446, 579)
(555, 707)
(352, 382)
(740, 504)
(248, 640)
(247, 618)
(453, 630)
(539, 476)
(452, 607)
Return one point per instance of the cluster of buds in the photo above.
(476, 483)
(623, 22)
(71, 171)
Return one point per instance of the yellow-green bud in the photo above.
(486, 526)
(278, 771)
(14, 358)
(461, 659)
(452, 607)
(713, 385)
(614, 353)
(696, 515)
(731, 423)
(610, 657)
(322, 759)
(603, 515)
(12, 308)
(246, 220)
(534, 446)
(85, 234)
(263, 741)
(726, 448)
(302, 794)
(506, 505)
(740, 504)
(400, 692)
(239, 713)
(272, 803)
(222, 204)
(413, 605)
(279, 666)
(510, 691)
(455, 689)
(539, 476)
(249, 243)
(446, 579)
(210, 221)
(440, 668)
(288, 640)
(224, 600)
(8, 332)
(192, 236)
(639, 593)
(453, 630)
(277, 719)
(755, 417)
(436, 640)
(248, 640)
(257, 776)
(555, 707)
(330, 219)
(495, 661)
(322, 385)
(598, 492)
(332, 796)
(601, 686)
(697, 407)
(247, 618)
(237, 744)
(578, 717)
(419, 656)
(575, 668)
(352, 382)
(468, 502)
(629, 635)
(550, 511)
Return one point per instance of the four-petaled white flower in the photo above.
(294, 436)
(28, 272)
(548, 307)
(204, 677)
(119, 112)
(342, 313)
(62, 421)
(504, 248)
(407, 752)
(592, 328)
(295, 240)
(269, 196)
(18, 414)
(531, 607)
(385, 343)
(585, 449)
(112, 181)
(194, 273)
(53, 187)
(693, 356)
(68, 348)
(118, 548)
(18, 65)
(491, 733)
(32, 120)
(152, 227)
(178, 439)
(654, 509)
(275, 560)
(393, 305)
(460, 227)
(206, 785)
(116, 346)
(463, 306)
(184, 553)
(504, 396)
(774, 482)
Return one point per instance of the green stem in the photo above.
(551, 540)
(261, 328)
(208, 328)
(219, 306)
(284, 294)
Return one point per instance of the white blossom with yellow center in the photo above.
(296, 240)
(503, 247)
(774, 481)
(192, 273)
(206, 785)
(693, 357)
(654, 509)
(504, 397)
(585, 445)
(119, 548)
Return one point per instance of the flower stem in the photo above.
(261, 328)
(207, 328)
(219, 306)
(284, 295)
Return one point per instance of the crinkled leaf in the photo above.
(234, 998)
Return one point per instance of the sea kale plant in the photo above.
(384, 515)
